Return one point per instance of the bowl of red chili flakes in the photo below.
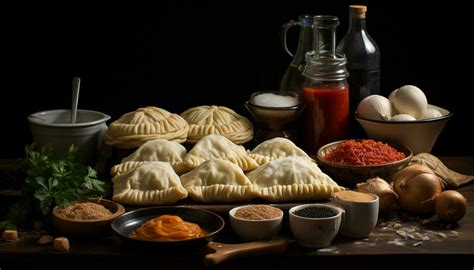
(349, 162)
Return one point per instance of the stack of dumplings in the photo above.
(206, 120)
(135, 128)
(216, 170)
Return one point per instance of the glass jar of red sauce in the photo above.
(325, 89)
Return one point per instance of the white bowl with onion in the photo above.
(405, 118)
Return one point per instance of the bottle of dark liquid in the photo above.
(363, 61)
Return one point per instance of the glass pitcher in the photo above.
(293, 77)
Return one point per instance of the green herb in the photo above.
(52, 182)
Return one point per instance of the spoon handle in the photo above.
(76, 84)
(229, 251)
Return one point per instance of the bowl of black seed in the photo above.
(315, 225)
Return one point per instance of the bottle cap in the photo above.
(358, 11)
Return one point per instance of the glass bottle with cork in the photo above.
(363, 60)
(325, 89)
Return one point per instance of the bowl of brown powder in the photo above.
(89, 217)
(256, 222)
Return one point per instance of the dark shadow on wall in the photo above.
(178, 54)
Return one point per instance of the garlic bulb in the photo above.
(379, 187)
(402, 117)
(431, 113)
(409, 99)
(375, 107)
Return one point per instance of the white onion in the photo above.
(394, 92)
(431, 113)
(375, 107)
(409, 99)
(402, 117)
(417, 187)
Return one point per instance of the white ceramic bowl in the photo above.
(54, 127)
(315, 232)
(420, 135)
(253, 230)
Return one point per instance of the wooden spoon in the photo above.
(230, 251)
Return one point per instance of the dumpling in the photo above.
(152, 183)
(206, 120)
(217, 146)
(274, 149)
(158, 150)
(154, 150)
(292, 179)
(126, 166)
(135, 128)
(218, 180)
(121, 168)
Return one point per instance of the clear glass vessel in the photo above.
(325, 89)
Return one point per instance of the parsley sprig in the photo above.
(52, 182)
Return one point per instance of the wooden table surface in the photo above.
(447, 248)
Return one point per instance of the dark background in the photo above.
(179, 54)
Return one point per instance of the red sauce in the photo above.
(365, 152)
(325, 116)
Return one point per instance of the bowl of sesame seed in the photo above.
(315, 225)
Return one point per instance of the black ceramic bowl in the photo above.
(124, 225)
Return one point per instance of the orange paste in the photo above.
(167, 228)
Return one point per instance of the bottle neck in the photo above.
(325, 34)
(325, 40)
(357, 24)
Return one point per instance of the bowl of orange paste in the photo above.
(349, 162)
(168, 227)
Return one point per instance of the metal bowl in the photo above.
(350, 175)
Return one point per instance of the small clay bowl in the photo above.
(350, 175)
(95, 227)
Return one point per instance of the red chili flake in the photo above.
(364, 152)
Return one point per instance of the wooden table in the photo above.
(447, 248)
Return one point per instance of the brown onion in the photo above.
(450, 206)
(379, 187)
(417, 187)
